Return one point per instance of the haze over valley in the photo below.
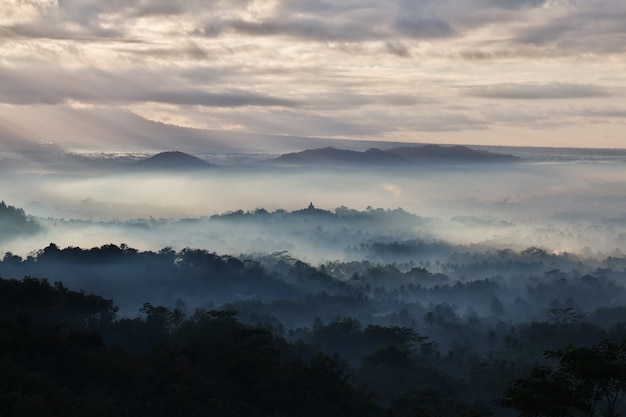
(562, 203)
(442, 210)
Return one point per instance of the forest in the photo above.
(271, 335)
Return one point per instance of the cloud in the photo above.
(610, 112)
(538, 91)
(98, 87)
(397, 48)
(341, 68)
(592, 27)
(312, 20)
(541, 22)
(346, 21)
(570, 26)
(420, 26)
(515, 4)
(199, 98)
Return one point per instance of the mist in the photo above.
(572, 206)
(458, 222)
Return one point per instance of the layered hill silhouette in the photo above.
(400, 155)
(172, 161)
(456, 152)
(330, 155)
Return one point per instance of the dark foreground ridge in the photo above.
(405, 155)
(66, 353)
(172, 161)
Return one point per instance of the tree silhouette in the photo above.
(14, 221)
(588, 381)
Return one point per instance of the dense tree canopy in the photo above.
(270, 334)
(585, 381)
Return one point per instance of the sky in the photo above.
(136, 74)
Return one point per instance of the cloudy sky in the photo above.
(104, 74)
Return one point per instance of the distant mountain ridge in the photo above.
(457, 152)
(172, 161)
(399, 155)
(334, 155)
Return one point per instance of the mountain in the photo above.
(172, 161)
(456, 153)
(395, 156)
(331, 155)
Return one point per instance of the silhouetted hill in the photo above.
(177, 161)
(13, 222)
(448, 152)
(331, 155)
(394, 156)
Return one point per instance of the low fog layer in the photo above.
(562, 204)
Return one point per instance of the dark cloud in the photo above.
(540, 35)
(419, 26)
(515, 4)
(537, 91)
(345, 21)
(51, 30)
(609, 112)
(346, 99)
(190, 50)
(199, 98)
(475, 54)
(97, 87)
(586, 28)
(89, 20)
(310, 28)
(37, 87)
(158, 8)
(575, 27)
(107, 129)
(303, 28)
(89, 11)
(397, 48)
